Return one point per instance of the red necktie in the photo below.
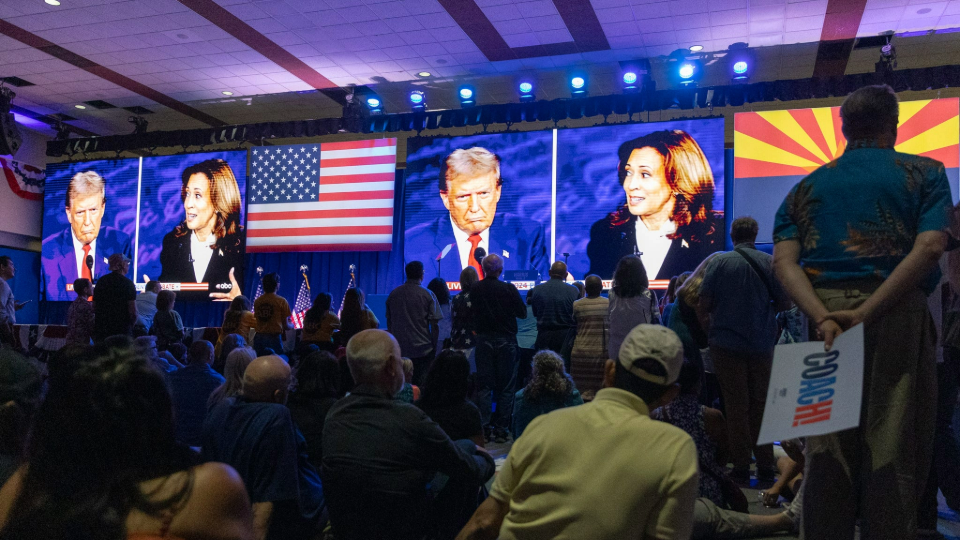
(85, 270)
(472, 261)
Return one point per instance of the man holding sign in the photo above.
(858, 241)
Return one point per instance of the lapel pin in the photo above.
(105, 261)
(683, 243)
(506, 254)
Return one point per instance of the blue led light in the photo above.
(526, 88)
(416, 98)
(373, 103)
(629, 77)
(686, 71)
(740, 67)
(466, 93)
(577, 82)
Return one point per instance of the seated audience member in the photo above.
(147, 347)
(319, 323)
(549, 389)
(708, 429)
(20, 385)
(559, 479)
(380, 455)
(190, 389)
(346, 379)
(103, 462)
(445, 400)
(176, 353)
(237, 320)
(318, 378)
(273, 317)
(80, 314)
(410, 392)
(229, 343)
(147, 304)
(234, 367)
(355, 316)
(255, 434)
(790, 474)
(167, 325)
(589, 348)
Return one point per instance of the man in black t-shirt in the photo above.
(115, 301)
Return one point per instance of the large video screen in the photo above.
(179, 219)
(773, 150)
(495, 195)
(588, 196)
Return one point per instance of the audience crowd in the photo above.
(617, 416)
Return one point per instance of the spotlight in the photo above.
(635, 75)
(686, 72)
(629, 78)
(466, 95)
(578, 86)
(888, 58)
(741, 61)
(526, 92)
(374, 104)
(417, 102)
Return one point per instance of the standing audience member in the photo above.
(231, 342)
(558, 477)
(670, 299)
(688, 318)
(20, 387)
(496, 307)
(167, 325)
(103, 462)
(115, 300)
(318, 381)
(380, 456)
(80, 315)
(147, 304)
(319, 323)
(255, 434)
(233, 370)
(238, 319)
(593, 330)
(190, 388)
(552, 303)
(742, 296)
(463, 337)
(438, 286)
(631, 302)
(273, 316)
(408, 392)
(549, 389)
(412, 317)
(355, 316)
(526, 342)
(8, 305)
(445, 400)
(857, 241)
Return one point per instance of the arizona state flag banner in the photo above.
(773, 150)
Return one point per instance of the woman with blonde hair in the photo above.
(549, 389)
(668, 217)
(209, 244)
(233, 369)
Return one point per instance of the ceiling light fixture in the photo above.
(52, 2)
(696, 48)
(81, 107)
(423, 74)
(227, 93)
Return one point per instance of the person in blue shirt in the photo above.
(549, 389)
(857, 241)
(190, 388)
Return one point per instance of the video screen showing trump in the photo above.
(192, 237)
(652, 189)
(467, 197)
(90, 213)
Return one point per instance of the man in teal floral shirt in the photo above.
(858, 240)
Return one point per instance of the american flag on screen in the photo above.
(302, 304)
(322, 197)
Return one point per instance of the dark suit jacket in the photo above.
(520, 242)
(58, 266)
(615, 236)
(175, 265)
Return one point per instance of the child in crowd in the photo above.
(409, 393)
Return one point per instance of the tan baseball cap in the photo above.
(650, 347)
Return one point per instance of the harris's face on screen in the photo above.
(84, 215)
(648, 194)
(197, 206)
(472, 201)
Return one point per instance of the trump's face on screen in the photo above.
(471, 189)
(85, 206)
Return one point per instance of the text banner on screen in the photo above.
(813, 392)
(322, 197)
(773, 150)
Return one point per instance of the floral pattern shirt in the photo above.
(857, 217)
(686, 413)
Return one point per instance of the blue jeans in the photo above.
(497, 359)
(262, 342)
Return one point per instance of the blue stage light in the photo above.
(686, 70)
(740, 67)
(466, 93)
(577, 83)
(526, 88)
(373, 103)
(416, 97)
(467, 96)
(629, 78)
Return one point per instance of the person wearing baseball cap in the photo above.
(603, 470)
(115, 301)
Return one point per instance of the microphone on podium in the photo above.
(479, 254)
(89, 263)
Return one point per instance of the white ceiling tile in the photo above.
(502, 13)
(659, 38)
(537, 8)
(358, 14)
(547, 37)
(459, 46)
(807, 8)
(327, 17)
(372, 28)
(696, 20)
(769, 26)
(599, 4)
(731, 16)
(416, 38)
(684, 7)
(729, 31)
(814, 22)
(512, 26)
(613, 15)
(658, 10)
(247, 12)
(803, 36)
(392, 9)
(523, 40)
(626, 28)
(766, 40)
(404, 24)
(453, 33)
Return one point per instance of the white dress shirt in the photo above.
(463, 243)
(78, 252)
(654, 245)
(201, 253)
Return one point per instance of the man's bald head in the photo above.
(558, 270)
(373, 357)
(492, 265)
(267, 379)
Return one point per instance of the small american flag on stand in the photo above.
(303, 302)
(322, 197)
(259, 283)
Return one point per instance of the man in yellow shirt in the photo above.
(273, 317)
(603, 470)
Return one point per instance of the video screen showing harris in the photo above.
(179, 219)
(651, 189)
